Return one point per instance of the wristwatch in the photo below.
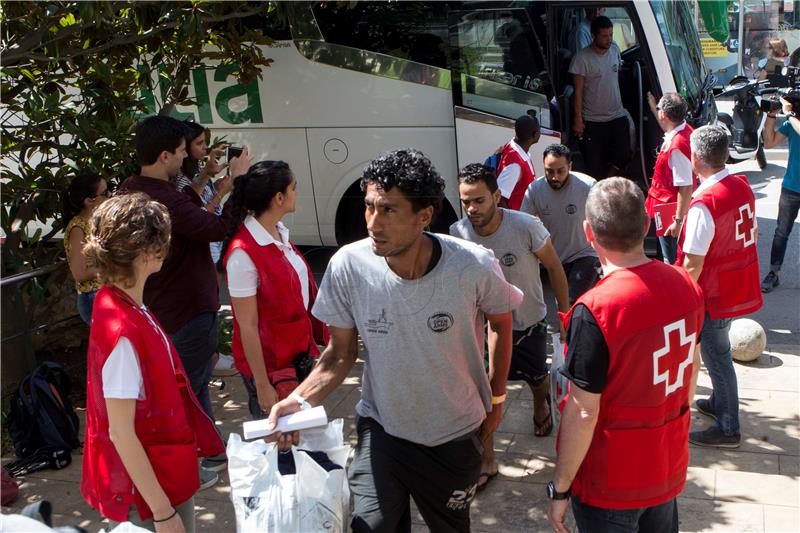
(553, 494)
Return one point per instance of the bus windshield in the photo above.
(683, 48)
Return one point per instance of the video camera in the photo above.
(782, 85)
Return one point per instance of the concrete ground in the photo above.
(753, 488)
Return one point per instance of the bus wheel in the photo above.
(350, 223)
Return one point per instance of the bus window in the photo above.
(416, 31)
(502, 71)
(624, 34)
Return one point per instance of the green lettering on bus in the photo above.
(253, 110)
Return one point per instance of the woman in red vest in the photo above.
(271, 287)
(144, 426)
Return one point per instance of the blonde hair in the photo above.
(121, 229)
(779, 47)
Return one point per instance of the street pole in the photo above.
(740, 54)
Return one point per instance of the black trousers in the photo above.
(387, 470)
(604, 144)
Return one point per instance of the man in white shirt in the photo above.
(515, 171)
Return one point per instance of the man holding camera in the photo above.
(789, 202)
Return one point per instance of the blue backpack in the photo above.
(41, 414)
(493, 161)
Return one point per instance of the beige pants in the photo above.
(185, 510)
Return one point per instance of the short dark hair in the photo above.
(525, 127)
(412, 173)
(475, 172)
(601, 23)
(157, 134)
(674, 106)
(615, 212)
(558, 150)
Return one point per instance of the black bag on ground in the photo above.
(41, 414)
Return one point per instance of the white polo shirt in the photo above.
(700, 226)
(679, 164)
(509, 176)
(242, 272)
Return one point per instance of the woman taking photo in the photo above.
(144, 426)
(271, 287)
(78, 201)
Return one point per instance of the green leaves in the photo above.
(73, 78)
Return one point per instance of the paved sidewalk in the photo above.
(753, 488)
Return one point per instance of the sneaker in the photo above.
(214, 463)
(714, 438)
(208, 478)
(704, 406)
(770, 282)
(224, 366)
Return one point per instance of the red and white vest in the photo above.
(526, 175)
(662, 191)
(286, 328)
(651, 317)
(172, 427)
(730, 278)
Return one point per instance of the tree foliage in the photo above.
(72, 81)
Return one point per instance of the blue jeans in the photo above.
(656, 519)
(788, 207)
(669, 249)
(715, 349)
(196, 342)
(85, 303)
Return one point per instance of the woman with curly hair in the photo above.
(144, 426)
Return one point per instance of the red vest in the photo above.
(169, 422)
(526, 176)
(650, 316)
(730, 278)
(286, 328)
(662, 191)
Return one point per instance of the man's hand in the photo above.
(284, 407)
(173, 525)
(240, 165)
(674, 229)
(787, 106)
(557, 513)
(491, 422)
(652, 103)
(578, 127)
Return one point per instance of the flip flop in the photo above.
(488, 476)
(545, 427)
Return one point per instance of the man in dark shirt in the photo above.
(184, 295)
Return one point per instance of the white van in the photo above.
(351, 80)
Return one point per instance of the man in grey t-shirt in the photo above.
(559, 200)
(601, 122)
(521, 243)
(418, 301)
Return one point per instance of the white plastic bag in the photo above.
(559, 384)
(311, 500)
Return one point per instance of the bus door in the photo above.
(499, 73)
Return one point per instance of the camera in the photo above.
(785, 85)
(234, 151)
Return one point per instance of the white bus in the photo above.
(351, 80)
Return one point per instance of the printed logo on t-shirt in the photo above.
(615, 67)
(440, 322)
(379, 325)
(571, 209)
(508, 260)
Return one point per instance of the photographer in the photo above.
(789, 203)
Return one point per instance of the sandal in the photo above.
(488, 476)
(545, 427)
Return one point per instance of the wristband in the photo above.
(679, 220)
(174, 512)
(299, 399)
(497, 400)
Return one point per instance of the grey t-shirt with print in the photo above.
(602, 101)
(562, 212)
(515, 244)
(424, 378)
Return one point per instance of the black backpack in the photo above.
(41, 414)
